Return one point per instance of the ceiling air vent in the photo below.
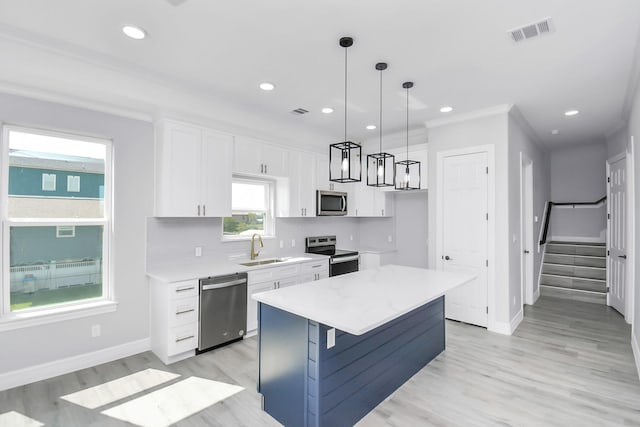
(299, 111)
(530, 31)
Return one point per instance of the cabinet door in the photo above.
(322, 173)
(362, 200)
(275, 161)
(252, 305)
(302, 183)
(382, 203)
(246, 156)
(285, 283)
(178, 170)
(217, 174)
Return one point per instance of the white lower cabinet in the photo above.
(174, 319)
(266, 279)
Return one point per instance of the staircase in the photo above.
(576, 271)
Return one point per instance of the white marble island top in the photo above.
(358, 302)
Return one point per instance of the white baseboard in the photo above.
(636, 352)
(598, 239)
(536, 295)
(505, 328)
(70, 364)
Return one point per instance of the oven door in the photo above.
(343, 265)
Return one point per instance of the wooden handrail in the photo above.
(551, 204)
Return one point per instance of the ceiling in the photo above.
(457, 52)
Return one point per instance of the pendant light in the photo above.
(381, 168)
(407, 171)
(344, 157)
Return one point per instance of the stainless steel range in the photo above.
(340, 261)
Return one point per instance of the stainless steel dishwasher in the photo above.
(223, 310)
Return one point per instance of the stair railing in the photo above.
(550, 204)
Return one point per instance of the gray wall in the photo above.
(133, 202)
(579, 174)
(171, 239)
(634, 131)
(411, 228)
(617, 142)
(522, 142)
(490, 130)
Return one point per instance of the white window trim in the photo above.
(270, 232)
(75, 309)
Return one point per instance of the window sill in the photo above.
(244, 239)
(42, 317)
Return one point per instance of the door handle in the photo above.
(447, 257)
(622, 256)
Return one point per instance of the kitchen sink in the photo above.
(263, 262)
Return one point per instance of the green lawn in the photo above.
(47, 297)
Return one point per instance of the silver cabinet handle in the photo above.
(185, 289)
(261, 168)
(185, 338)
(185, 311)
(204, 210)
(301, 212)
(198, 210)
(265, 168)
(382, 212)
(622, 256)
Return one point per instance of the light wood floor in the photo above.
(568, 364)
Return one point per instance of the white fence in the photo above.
(54, 275)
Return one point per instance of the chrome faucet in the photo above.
(255, 254)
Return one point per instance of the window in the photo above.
(48, 182)
(252, 207)
(73, 184)
(58, 243)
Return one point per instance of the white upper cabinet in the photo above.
(301, 186)
(369, 201)
(193, 171)
(255, 157)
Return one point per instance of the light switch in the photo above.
(281, 244)
(331, 337)
(198, 250)
(293, 243)
(535, 218)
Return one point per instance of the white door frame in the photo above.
(526, 225)
(440, 156)
(629, 227)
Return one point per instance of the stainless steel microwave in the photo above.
(331, 203)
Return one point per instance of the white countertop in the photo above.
(359, 302)
(196, 269)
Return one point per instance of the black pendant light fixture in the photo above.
(407, 171)
(344, 157)
(381, 166)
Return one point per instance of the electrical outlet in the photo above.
(198, 250)
(351, 237)
(331, 338)
(293, 243)
(281, 244)
(389, 238)
(95, 331)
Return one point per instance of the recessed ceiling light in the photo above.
(371, 127)
(267, 86)
(571, 113)
(446, 109)
(327, 110)
(134, 32)
(555, 132)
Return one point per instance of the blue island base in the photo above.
(306, 384)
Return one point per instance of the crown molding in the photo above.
(472, 115)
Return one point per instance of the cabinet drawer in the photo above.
(183, 311)
(274, 273)
(314, 267)
(183, 338)
(188, 288)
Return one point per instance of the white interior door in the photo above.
(465, 233)
(526, 233)
(617, 234)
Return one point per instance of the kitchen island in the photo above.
(330, 351)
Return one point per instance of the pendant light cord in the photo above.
(345, 94)
(407, 126)
(381, 111)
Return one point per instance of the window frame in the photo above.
(62, 311)
(270, 219)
